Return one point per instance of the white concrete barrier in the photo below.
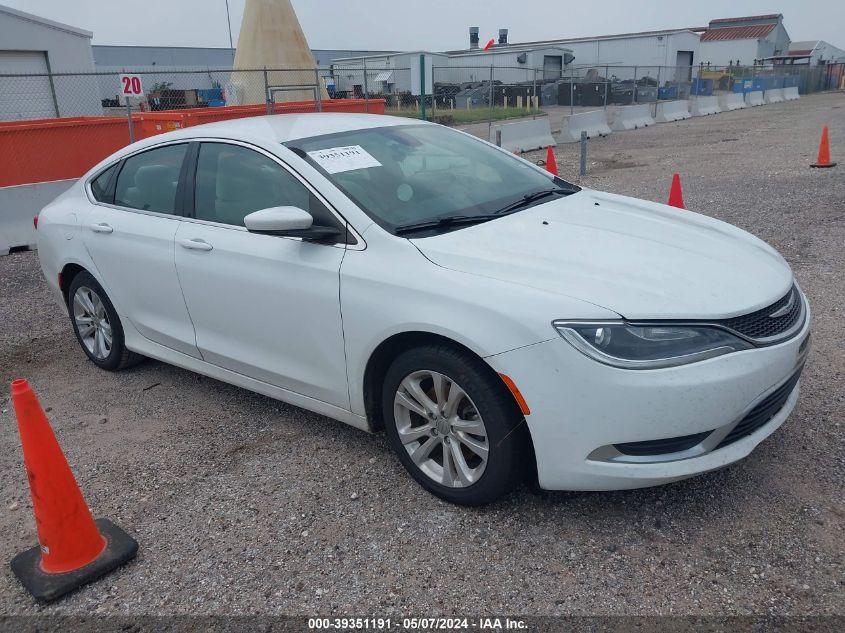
(524, 136)
(731, 101)
(775, 95)
(791, 94)
(668, 111)
(702, 106)
(21, 203)
(633, 117)
(594, 123)
(754, 98)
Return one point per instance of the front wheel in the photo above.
(453, 425)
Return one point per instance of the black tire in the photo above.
(504, 423)
(118, 356)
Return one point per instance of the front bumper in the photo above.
(581, 410)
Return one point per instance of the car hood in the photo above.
(639, 259)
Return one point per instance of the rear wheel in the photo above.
(453, 425)
(97, 326)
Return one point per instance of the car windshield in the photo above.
(407, 176)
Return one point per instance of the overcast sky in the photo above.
(429, 25)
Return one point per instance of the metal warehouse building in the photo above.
(743, 40)
(673, 47)
(398, 72)
(813, 52)
(172, 57)
(34, 46)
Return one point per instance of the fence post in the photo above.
(634, 95)
(366, 89)
(422, 87)
(606, 84)
(318, 90)
(129, 121)
(128, 106)
(583, 152)
(52, 85)
(267, 96)
(657, 100)
(492, 99)
(534, 89)
(571, 90)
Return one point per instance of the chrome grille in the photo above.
(760, 325)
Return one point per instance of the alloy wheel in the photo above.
(441, 428)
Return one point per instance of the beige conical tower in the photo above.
(272, 38)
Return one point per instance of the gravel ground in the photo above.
(243, 504)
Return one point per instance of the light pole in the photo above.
(229, 22)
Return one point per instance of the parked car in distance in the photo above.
(496, 321)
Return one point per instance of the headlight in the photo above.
(648, 346)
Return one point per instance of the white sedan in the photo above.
(497, 322)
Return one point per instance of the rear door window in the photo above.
(100, 185)
(149, 180)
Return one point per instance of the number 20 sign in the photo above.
(130, 85)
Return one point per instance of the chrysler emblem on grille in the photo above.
(785, 309)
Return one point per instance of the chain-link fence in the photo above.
(601, 86)
(55, 126)
(59, 95)
(467, 94)
(456, 94)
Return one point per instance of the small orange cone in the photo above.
(551, 163)
(676, 196)
(73, 548)
(824, 152)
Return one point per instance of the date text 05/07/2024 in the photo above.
(417, 624)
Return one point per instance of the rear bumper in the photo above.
(48, 260)
(581, 410)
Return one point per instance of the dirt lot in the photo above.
(243, 504)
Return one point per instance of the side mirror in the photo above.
(288, 222)
(278, 220)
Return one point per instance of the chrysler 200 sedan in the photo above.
(496, 321)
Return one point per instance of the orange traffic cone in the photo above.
(551, 163)
(824, 152)
(73, 548)
(676, 196)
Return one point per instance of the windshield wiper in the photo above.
(447, 221)
(451, 220)
(530, 198)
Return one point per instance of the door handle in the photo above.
(102, 227)
(196, 245)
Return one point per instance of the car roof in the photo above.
(282, 128)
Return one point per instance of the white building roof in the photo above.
(573, 40)
(50, 24)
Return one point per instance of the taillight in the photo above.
(35, 222)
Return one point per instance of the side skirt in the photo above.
(136, 342)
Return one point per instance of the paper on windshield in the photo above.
(339, 159)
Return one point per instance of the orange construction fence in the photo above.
(41, 150)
